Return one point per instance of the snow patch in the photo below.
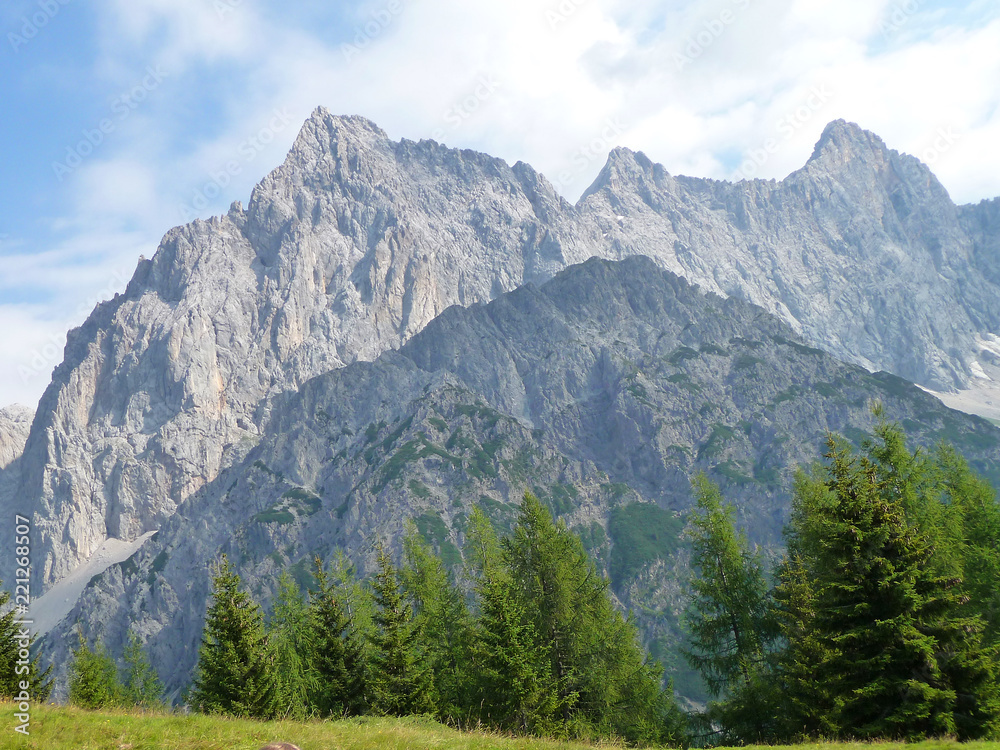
(977, 371)
(50, 608)
(989, 343)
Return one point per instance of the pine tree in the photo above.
(141, 686)
(11, 673)
(443, 620)
(235, 674)
(291, 636)
(807, 705)
(400, 683)
(93, 678)
(898, 651)
(337, 659)
(972, 504)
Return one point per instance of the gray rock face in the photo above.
(344, 251)
(602, 391)
(15, 422)
(861, 251)
(357, 242)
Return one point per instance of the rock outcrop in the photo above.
(356, 242)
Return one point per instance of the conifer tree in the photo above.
(400, 683)
(899, 651)
(729, 616)
(93, 678)
(40, 685)
(443, 620)
(972, 503)
(603, 681)
(515, 689)
(235, 674)
(141, 686)
(337, 658)
(292, 638)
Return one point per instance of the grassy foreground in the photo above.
(67, 728)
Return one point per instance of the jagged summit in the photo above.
(849, 140)
(354, 243)
(624, 168)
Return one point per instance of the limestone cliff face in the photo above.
(602, 391)
(15, 422)
(356, 242)
(861, 251)
(344, 251)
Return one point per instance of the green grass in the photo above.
(67, 728)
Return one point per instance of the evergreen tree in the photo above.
(515, 689)
(603, 682)
(93, 678)
(400, 683)
(806, 705)
(443, 620)
(729, 616)
(292, 637)
(235, 674)
(972, 504)
(897, 650)
(39, 684)
(141, 686)
(337, 658)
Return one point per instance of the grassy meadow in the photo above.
(68, 728)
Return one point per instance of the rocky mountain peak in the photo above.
(843, 141)
(625, 170)
(355, 242)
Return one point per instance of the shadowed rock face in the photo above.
(603, 391)
(356, 242)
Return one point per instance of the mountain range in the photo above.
(256, 353)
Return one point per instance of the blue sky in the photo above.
(122, 118)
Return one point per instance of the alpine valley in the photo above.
(395, 331)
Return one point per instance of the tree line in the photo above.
(881, 620)
(883, 617)
(538, 647)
